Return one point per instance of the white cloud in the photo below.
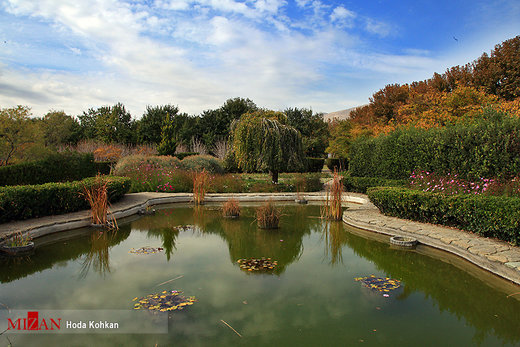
(377, 28)
(341, 14)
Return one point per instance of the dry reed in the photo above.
(97, 197)
(268, 216)
(200, 186)
(231, 208)
(332, 208)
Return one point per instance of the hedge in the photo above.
(199, 162)
(32, 201)
(488, 147)
(489, 216)
(314, 164)
(361, 184)
(58, 167)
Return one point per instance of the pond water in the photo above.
(310, 299)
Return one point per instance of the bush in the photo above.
(183, 155)
(57, 167)
(361, 184)
(104, 167)
(489, 216)
(33, 201)
(198, 162)
(488, 147)
(341, 164)
(230, 163)
(314, 164)
(128, 165)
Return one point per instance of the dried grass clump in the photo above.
(200, 186)
(97, 197)
(332, 208)
(231, 208)
(268, 216)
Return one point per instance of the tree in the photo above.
(149, 127)
(168, 143)
(108, 124)
(340, 138)
(313, 128)
(59, 129)
(16, 132)
(263, 141)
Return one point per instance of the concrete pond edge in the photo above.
(497, 257)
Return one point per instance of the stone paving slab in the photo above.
(496, 256)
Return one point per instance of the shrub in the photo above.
(200, 162)
(314, 164)
(268, 216)
(104, 167)
(154, 174)
(231, 163)
(489, 216)
(183, 155)
(128, 164)
(32, 201)
(57, 167)
(231, 208)
(226, 183)
(488, 147)
(361, 184)
(339, 164)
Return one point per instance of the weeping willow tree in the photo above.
(263, 142)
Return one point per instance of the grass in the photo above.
(97, 197)
(18, 240)
(231, 208)
(200, 186)
(268, 216)
(332, 208)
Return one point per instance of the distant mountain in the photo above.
(339, 115)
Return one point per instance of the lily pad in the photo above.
(383, 285)
(255, 264)
(163, 301)
(146, 250)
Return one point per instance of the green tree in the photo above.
(149, 127)
(59, 128)
(263, 141)
(108, 124)
(17, 131)
(340, 138)
(313, 128)
(168, 143)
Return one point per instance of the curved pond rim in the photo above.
(128, 209)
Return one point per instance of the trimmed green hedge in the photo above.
(32, 201)
(488, 147)
(489, 216)
(58, 167)
(314, 164)
(361, 184)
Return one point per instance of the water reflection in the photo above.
(334, 237)
(98, 256)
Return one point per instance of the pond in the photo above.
(311, 297)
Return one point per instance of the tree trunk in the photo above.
(274, 176)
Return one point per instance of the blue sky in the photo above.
(324, 55)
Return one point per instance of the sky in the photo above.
(195, 54)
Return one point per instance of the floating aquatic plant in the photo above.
(383, 285)
(163, 301)
(253, 264)
(146, 250)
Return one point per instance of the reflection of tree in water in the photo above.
(98, 256)
(335, 237)
(284, 245)
(454, 290)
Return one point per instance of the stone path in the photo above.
(493, 255)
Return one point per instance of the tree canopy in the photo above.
(262, 141)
